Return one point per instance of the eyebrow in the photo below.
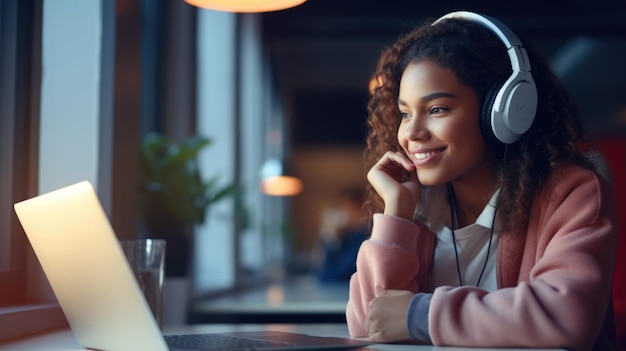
(431, 97)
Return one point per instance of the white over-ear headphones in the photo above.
(510, 108)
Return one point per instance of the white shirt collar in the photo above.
(485, 218)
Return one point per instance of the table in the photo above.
(63, 340)
(298, 299)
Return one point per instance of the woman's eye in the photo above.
(404, 115)
(436, 110)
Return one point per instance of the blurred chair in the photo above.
(343, 229)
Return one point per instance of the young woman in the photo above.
(489, 227)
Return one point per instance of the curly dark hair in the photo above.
(479, 60)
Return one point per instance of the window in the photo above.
(43, 148)
(19, 48)
(77, 108)
(238, 108)
(216, 119)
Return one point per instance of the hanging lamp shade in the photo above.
(278, 180)
(245, 5)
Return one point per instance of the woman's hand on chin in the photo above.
(395, 180)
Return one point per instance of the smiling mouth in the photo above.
(425, 155)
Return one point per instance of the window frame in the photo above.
(20, 22)
(27, 304)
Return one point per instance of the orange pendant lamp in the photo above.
(278, 180)
(245, 5)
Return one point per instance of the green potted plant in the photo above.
(174, 197)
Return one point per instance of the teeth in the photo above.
(424, 155)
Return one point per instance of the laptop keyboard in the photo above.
(217, 342)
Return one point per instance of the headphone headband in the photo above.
(506, 35)
(514, 105)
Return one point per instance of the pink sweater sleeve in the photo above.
(390, 259)
(564, 280)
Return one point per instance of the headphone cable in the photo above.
(452, 203)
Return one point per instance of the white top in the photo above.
(472, 244)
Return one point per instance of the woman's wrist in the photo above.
(404, 212)
(396, 212)
(403, 208)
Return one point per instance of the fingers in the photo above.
(390, 172)
(386, 317)
(395, 164)
(374, 325)
(394, 178)
(372, 321)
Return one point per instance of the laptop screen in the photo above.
(84, 263)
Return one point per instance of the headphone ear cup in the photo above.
(486, 127)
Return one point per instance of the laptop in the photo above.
(97, 291)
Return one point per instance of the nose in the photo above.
(416, 129)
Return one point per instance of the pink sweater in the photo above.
(554, 282)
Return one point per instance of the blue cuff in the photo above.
(417, 317)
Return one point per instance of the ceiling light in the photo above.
(278, 180)
(245, 5)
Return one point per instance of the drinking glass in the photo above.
(146, 258)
